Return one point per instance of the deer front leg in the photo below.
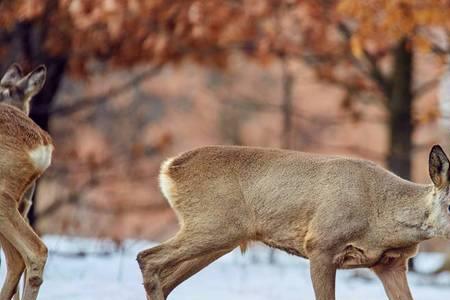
(392, 274)
(323, 275)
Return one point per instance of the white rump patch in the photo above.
(166, 184)
(42, 156)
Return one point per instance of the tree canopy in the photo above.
(127, 32)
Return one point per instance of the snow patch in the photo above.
(107, 273)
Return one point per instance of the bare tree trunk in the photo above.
(400, 110)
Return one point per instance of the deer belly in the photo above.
(41, 156)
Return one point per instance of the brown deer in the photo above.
(25, 153)
(338, 212)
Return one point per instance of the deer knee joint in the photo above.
(41, 259)
(36, 270)
(36, 264)
(43, 252)
(142, 259)
(35, 281)
(146, 264)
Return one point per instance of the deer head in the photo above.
(439, 167)
(17, 90)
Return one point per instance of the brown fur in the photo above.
(14, 123)
(337, 212)
(19, 135)
(25, 152)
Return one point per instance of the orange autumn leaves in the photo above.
(126, 32)
(383, 22)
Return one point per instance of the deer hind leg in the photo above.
(174, 275)
(33, 251)
(15, 268)
(392, 274)
(188, 244)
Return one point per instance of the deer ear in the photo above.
(439, 167)
(34, 81)
(12, 75)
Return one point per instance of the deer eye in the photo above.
(448, 209)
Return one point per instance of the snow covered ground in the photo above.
(116, 276)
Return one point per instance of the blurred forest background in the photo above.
(131, 83)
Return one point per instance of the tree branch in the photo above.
(85, 102)
(246, 102)
(373, 70)
(76, 200)
(55, 206)
(73, 198)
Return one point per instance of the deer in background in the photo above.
(25, 153)
(338, 212)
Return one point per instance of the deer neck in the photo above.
(413, 214)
